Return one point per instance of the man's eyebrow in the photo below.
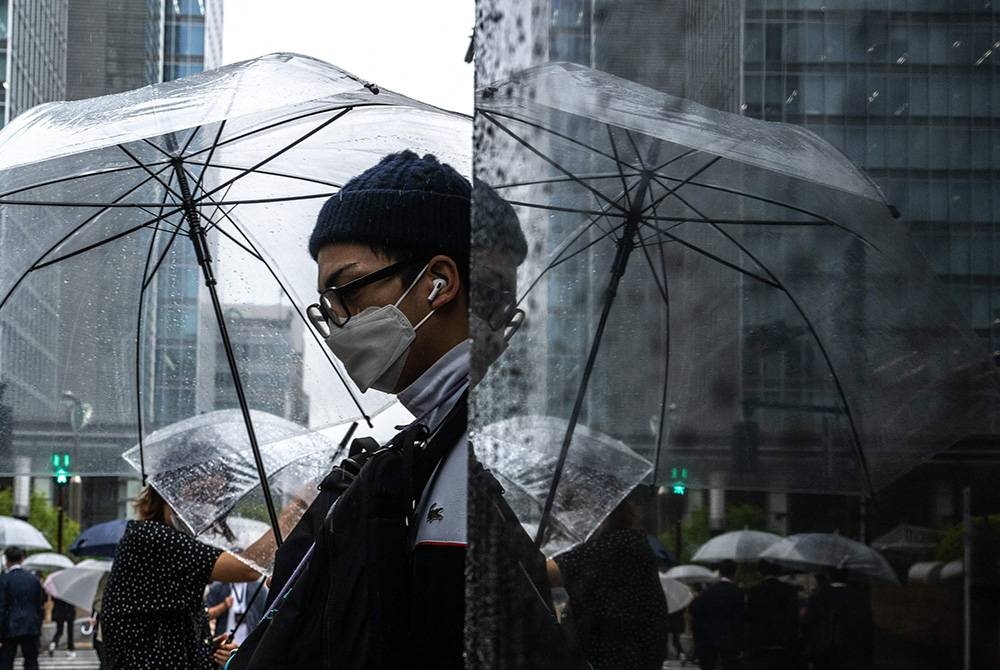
(335, 275)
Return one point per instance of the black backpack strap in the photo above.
(440, 443)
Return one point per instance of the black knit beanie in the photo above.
(404, 202)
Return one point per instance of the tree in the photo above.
(44, 516)
(6, 423)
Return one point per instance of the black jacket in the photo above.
(717, 616)
(21, 604)
(772, 615)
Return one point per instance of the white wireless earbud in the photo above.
(439, 284)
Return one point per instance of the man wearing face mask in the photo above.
(393, 255)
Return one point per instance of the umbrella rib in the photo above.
(138, 347)
(61, 241)
(273, 156)
(491, 114)
(553, 163)
(94, 245)
(560, 251)
(63, 180)
(208, 159)
(164, 184)
(340, 112)
(672, 190)
(214, 223)
(618, 165)
(717, 259)
(607, 235)
(635, 148)
(270, 173)
(821, 219)
(859, 453)
(309, 327)
(568, 210)
(562, 180)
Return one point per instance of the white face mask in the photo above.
(373, 345)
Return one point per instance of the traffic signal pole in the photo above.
(59, 523)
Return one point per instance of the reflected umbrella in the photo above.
(679, 255)
(599, 473)
(742, 546)
(824, 551)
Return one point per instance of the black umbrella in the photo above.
(767, 322)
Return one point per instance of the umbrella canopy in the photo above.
(47, 561)
(18, 533)
(908, 539)
(99, 540)
(78, 585)
(165, 232)
(822, 551)
(742, 546)
(601, 471)
(692, 574)
(730, 297)
(204, 466)
(678, 595)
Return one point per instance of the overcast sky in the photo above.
(414, 47)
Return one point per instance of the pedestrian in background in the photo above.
(22, 603)
(837, 627)
(616, 603)
(717, 620)
(153, 613)
(63, 614)
(772, 622)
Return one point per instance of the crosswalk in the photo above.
(85, 659)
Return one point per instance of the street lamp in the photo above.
(80, 414)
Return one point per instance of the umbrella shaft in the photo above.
(196, 231)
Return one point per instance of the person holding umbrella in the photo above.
(21, 611)
(152, 611)
(63, 614)
(772, 621)
(393, 256)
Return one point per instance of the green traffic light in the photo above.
(679, 489)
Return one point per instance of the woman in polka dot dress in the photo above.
(153, 614)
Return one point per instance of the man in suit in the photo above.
(718, 622)
(772, 622)
(21, 609)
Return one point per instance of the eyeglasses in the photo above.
(506, 315)
(332, 305)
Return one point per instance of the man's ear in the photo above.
(442, 282)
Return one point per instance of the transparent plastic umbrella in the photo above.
(599, 473)
(678, 595)
(742, 546)
(78, 585)
(154, 244)
(204, 466)
(47, 561)
(18, 533)
(822, 551)
(692, 574)
(728, 296)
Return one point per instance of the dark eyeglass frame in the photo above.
(322, 313)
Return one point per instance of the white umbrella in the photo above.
(810, 551)
(677, 594)
(78, 585)
(692, 574)
(741, 546)
(17, 533)
(47, 561)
